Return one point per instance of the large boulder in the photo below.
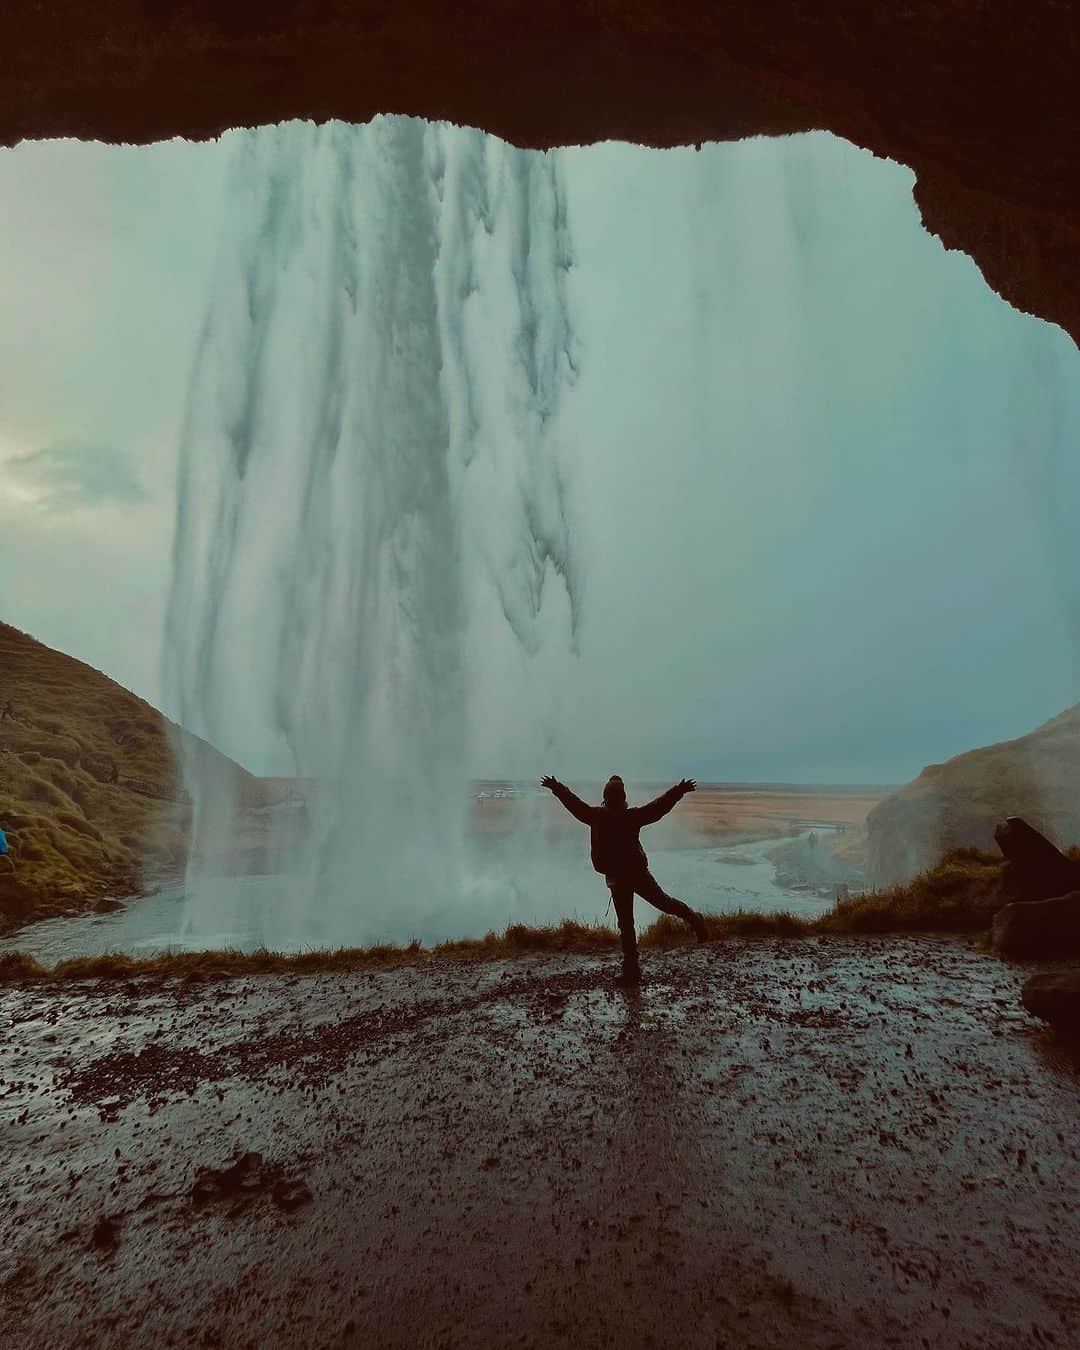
(1035, 868)
(959, 803)
(1039, 927)
(1055, 998)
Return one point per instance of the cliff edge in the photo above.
(959, 803)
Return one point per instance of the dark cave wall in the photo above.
(975, 95)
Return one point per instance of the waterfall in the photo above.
(372, 465)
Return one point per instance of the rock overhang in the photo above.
(977, 99)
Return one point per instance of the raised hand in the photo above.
(688, 785)
(549, 782)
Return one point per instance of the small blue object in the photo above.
(3, 842)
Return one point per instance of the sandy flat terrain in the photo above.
(817, 1143)
(777, 809)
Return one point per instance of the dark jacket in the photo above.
(615, 847)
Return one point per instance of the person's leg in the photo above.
(623, 896)
(650, 889)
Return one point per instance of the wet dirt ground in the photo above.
(830, 1142)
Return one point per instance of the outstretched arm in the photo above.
(570, 800)
(652, 811)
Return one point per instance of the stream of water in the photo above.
(548, 888)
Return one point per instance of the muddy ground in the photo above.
(831, 1142)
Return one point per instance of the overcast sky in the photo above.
(826, 475)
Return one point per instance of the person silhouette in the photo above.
(618, 855)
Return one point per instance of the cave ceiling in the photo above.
(977, 96)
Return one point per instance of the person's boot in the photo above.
(698, 924)
(691, 917)
(630, 977)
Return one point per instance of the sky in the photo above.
(823, 475)
(105, 258)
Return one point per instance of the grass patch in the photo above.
(570, 936)
(667, 932)
(517, 940)
(17, 966)
(960, 895)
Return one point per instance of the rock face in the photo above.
(89, 792)
(1035, 869)
(1055, 997)
(960, 803)
(978, 100)
(1039, 927)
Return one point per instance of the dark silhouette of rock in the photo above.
(1036, 869)
(1044, 885)
(1055, 997)
(1039, 927)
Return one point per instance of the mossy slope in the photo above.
(90, 797)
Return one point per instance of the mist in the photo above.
(825, 466)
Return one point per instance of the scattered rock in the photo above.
(106, 1234)
(235, 1178)
(1039, 927)
(107, 905)
(290, 1195)
(1055, 998)
(248, 1176)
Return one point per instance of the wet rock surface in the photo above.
(1054, 996)
(827, 1142)
(1039, 927)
